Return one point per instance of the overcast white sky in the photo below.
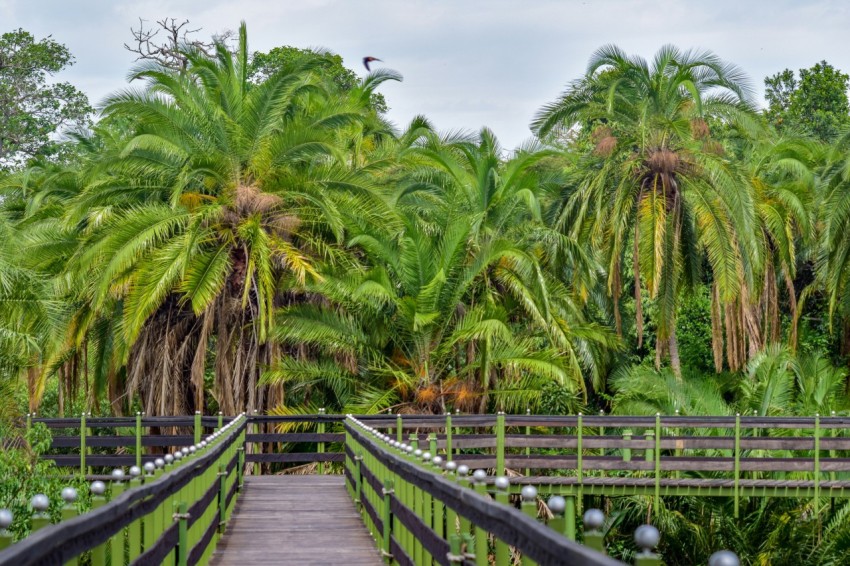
(466, 63)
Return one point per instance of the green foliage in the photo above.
(816, 104)
(326, 64)
(33, 109)
(23, 474)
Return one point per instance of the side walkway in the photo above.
(296, 520)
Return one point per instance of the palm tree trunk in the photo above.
(675, 362)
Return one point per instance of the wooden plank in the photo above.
(296, 520)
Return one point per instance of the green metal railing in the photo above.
(174, 511)
(421, 513)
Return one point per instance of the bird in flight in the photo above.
(367, 60)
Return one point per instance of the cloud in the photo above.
(466, 64)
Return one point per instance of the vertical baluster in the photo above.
(816, 502)
(386, 518)
(182, 517)
(657, 463)
(449, 456)
(527, 444)
(134, 531)
(139, 439)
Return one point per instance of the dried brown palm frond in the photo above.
(251, 200)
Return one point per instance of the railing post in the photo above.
(502, 550)
(29, 421)
(98, 554)
(150, 528)
(222, 497)
(399, 433)
(40, 519)
(197, 427)
(220, 420)
(182, 517)
(500, 443)
(134, 531)
(258, 447)
(83, 444)
(358, 479)
(570, 516)
(386, 519)
(321, 442)
(69, 511)
(449, 456)
(455, 554)
(527, 448)
(432, 443)
(657, 463)
(579, 460)
(647, 538)
(594, 538)
(529, 507)
(478, 483)
(116, 543)
(627, 440)
(816, 502)
(602, 434)
(6, 537)
(557, 505)
(139, 439)
(737, 498)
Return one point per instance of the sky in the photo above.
(466, 63)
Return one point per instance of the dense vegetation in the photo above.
(248, 231)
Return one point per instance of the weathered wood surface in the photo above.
(296, 520)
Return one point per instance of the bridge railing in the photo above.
(173, 513)
(421, 514)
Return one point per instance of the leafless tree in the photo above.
(176, 35)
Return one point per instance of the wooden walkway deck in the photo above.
(296, 520)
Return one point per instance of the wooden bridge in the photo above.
(207, 490)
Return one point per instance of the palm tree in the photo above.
(653, 182)
(207, 198)
(452, 268)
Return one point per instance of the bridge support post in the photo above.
(386, 519)
(116, 543)
(222, 497)
(98, 554)
(182, 517)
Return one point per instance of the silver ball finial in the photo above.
(502, 482)
(159, 462)
(426, 456)
(437, 461)
(451, 466)
(417, 453)
(135, 471)
(724, 558)
(40, 502)
(479, 475)
(557, 504)
(528, 493)
(97, 487)
(178, 455)
(462, 470)
(168, 458)
(118, 474)
(193, 449)
(593, 519)
(149, 468)
(69, 495)
(5, 519)
(647, 537)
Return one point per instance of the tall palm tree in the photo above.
(653, 182)
(207, 201)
